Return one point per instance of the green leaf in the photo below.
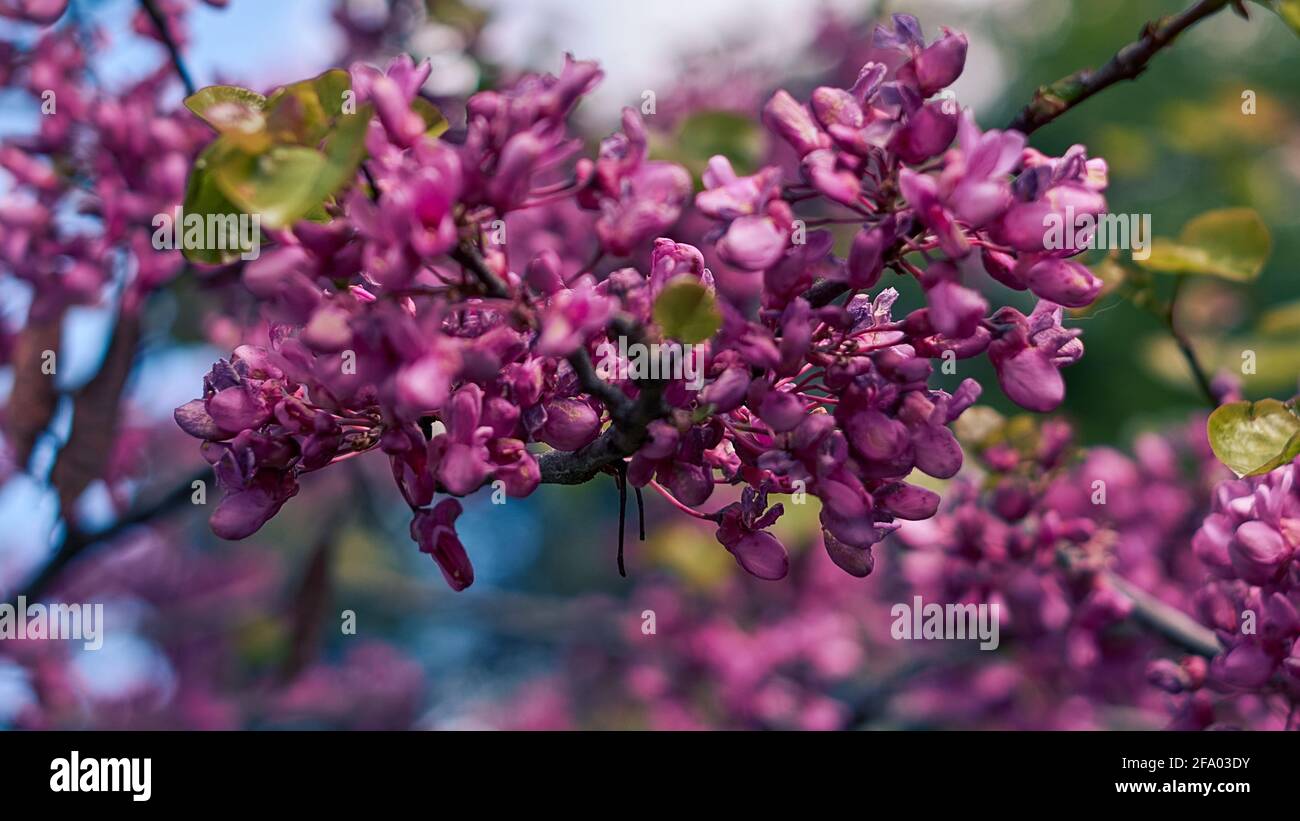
(280, 158)
(204, 196)
(345, 148)
(706, 133)
(301, 113)
(1282, 320)
(434, 122)
(236, 113)
(687, 311)
(1253, 438)
(281, 185)
(1231, 243)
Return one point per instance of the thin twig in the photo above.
(77, 542)
(1189, 353)
(1051, 101)
(620, 479)
(160, 22)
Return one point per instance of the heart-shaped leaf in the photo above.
(1254, 437)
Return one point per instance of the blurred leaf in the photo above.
(236, 113)
(203, 196)
(1277, 361)
(1281, 320)
(281, 185)
(691, 554)
(261, 640)
(687, 311)
(344, 148)
(978, 426)
(706, 133)
(304, 151)
(1128, 151)
(1288, 10)
(1232, 243)
(1254, 437)
(434, 121)
(301, 113)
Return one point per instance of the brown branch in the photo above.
(1169, 622)
(1051, 101)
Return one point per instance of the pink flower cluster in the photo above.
(403, 325)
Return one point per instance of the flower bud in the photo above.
(1258, 551)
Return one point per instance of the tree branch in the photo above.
(1051, 101)
(164, 34)
(1169, 622)
(1185, 346)
(77, 542)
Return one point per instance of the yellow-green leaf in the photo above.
(301, 113)
(345, 148)
(280, 185)
(1253, 438)
(236, 113)
(203, 196)
(1231, 243)
(1281, 320)
(687, 311)
(435, 123)
(1288, 10)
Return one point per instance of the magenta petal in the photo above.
(1031, 381)
(194, 419)
(856, 561)
(753, 243)
(781, 410)
(237, 408)
(937, 451)
(435, 532)
(762, 555)
(907, 501)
